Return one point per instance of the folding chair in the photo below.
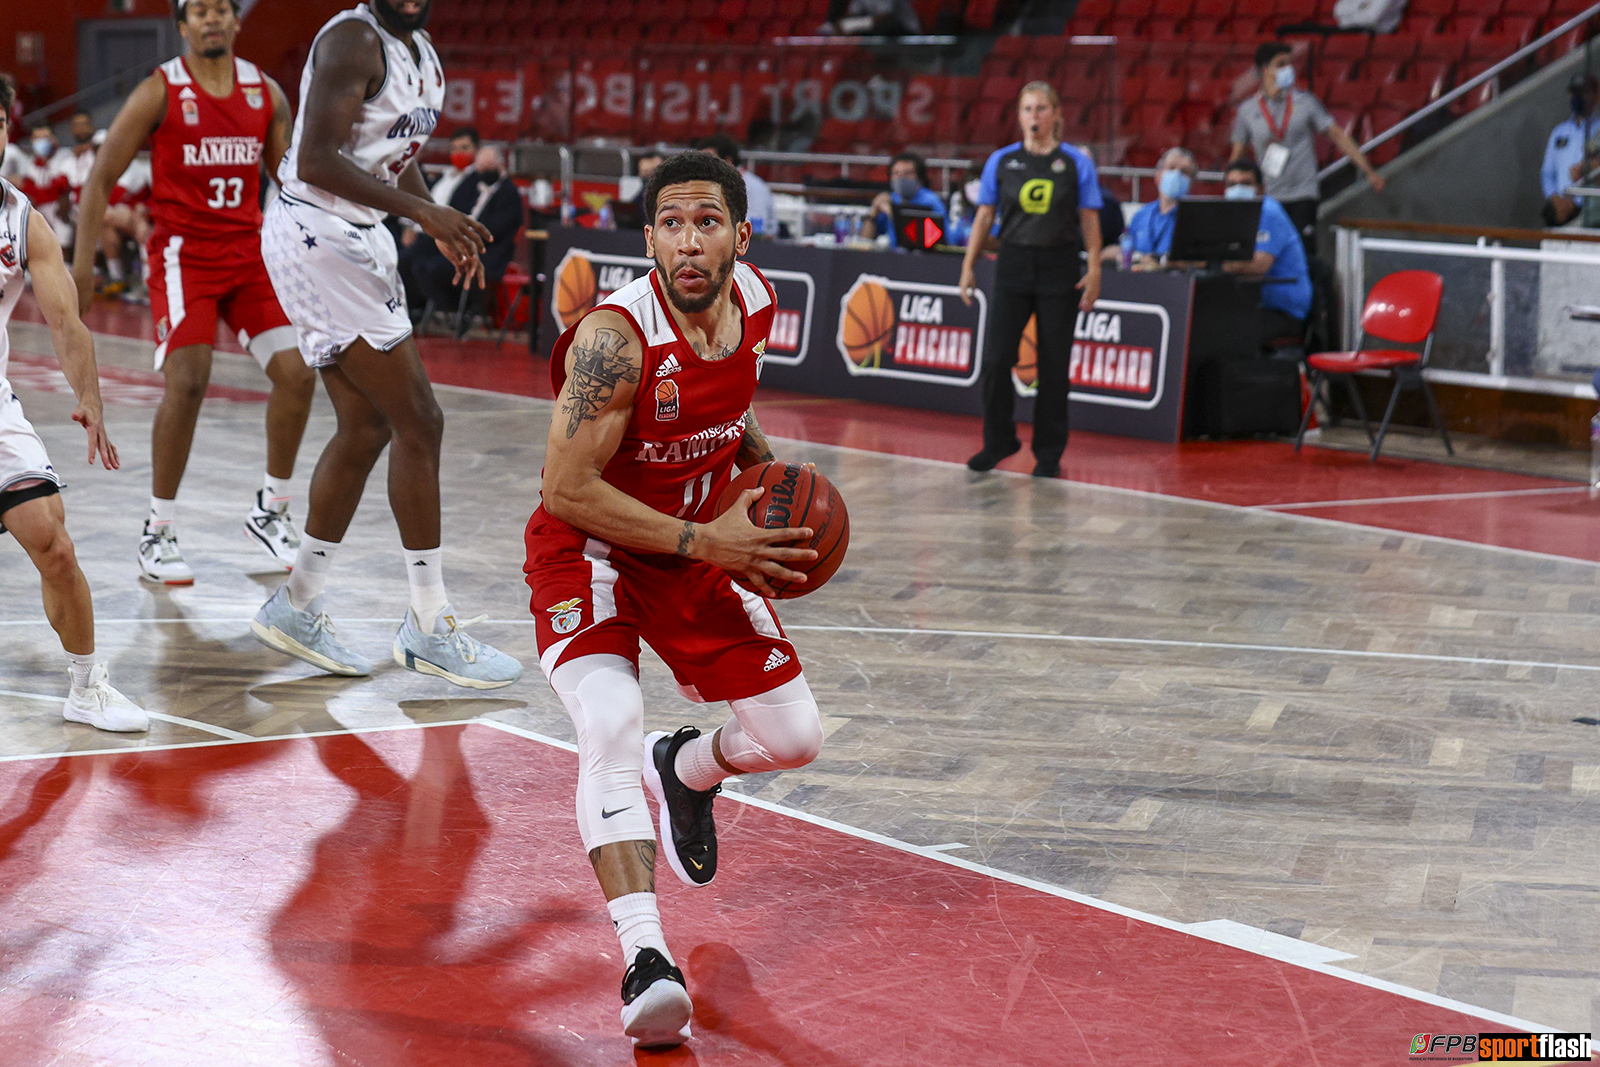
(1402, 308)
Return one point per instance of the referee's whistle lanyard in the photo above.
(1278, 132)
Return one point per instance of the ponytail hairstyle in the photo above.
(1048, 91)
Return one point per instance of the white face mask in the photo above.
(1285, 77)
(971, 190)
(1240, 192)
(42, 146)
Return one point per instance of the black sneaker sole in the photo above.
(699, 879)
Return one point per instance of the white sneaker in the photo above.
(160, 558)
(655, 1005)
(273, 530)
(102, 707)
(449, 652)
(307, 635)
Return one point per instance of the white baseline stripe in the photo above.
(1422, 498)
(867, 835)
(203, 727)
(238, 739)
(999, 635)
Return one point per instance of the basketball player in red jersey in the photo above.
(212, 120)
(652, 413)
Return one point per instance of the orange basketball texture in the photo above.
(1027, 368)
(868, 322)
(575, 290)
(796, 497)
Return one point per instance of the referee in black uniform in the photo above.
(1048, 196)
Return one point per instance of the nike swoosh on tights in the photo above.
(604, 814)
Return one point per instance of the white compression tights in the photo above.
(770, 731)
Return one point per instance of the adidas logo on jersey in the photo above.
(186, 93)
(668, 366)
(775, 660)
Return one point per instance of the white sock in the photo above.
(79, 667)
(114, 268)
(162, 512)
(310, 574)
(274, 490)
(697, 764)
(638, 923)
(425, 572)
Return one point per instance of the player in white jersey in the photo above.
(30, 497)
(369, 98)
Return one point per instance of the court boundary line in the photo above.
(908, 631)
(1423, 498)
(927, 852)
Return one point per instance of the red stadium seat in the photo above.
(1261, 10)
(1346, 46)
(1393, 46)
(1351, 96)
(1011, 46)
(1379, 71)
(1439, 9)
(1401, 309)
(1213, 9)
(1122, 27)
(1005, 89)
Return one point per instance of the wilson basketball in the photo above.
(575, 290)
(1026, 372)
(796, 496)
(867, 323)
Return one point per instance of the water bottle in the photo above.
(1594, 456)
(566, 212)
(604, 222)
(1127, 250)
(841, 229)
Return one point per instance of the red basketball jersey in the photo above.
(205, 157)
(689, 413)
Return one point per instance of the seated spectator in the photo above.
(964, 205)
(763, 209)
(464, 145)
(127, 222)
(1152, 224)
(42, 178)
(1564, 152)
(1280, 257)
(629, 214)
(486, 193)
(1111, 224)
(908, 184)
(889, 18)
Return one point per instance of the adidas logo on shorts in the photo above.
(776, 660)
(668, 366)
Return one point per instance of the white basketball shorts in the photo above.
(23, 458)
(337, 281)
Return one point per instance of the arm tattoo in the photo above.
(685, 538)
(596, 370)
(754, 448)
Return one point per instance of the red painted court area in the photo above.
(419, 897)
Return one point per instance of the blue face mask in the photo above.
(1174, 184)
(1285, 77)
(1239, 192)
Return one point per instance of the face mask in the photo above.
(42, 147)
(971, 190)
(1285, 77)
(488, 177)
(1239, 192)
(462, 160)
(1174, 184)
(905, 188)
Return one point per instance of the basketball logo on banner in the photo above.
(584, 278)
(912, 330)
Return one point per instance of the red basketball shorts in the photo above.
(195, 282)
(591, 598)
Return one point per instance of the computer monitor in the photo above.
(1213, 229)
(919, 229)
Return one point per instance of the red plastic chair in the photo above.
(1402, 308)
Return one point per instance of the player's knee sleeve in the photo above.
(602, 695)
(775, 730)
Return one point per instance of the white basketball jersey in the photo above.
(14, 209)
(392, 127)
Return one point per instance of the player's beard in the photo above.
(214, 53)
(393, 16)
(693, 305)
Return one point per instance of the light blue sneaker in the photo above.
(453, 654)
(307, 635)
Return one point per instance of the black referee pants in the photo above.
(1009, 311)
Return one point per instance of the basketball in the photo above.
(796, 496)
(867, 322)
(575, 290)
(1026, 372)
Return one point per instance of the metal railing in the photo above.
(1463, 89)
(121, 83)
(1352, 245)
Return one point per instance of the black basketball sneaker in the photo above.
(655, 1004)
(688, 833)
